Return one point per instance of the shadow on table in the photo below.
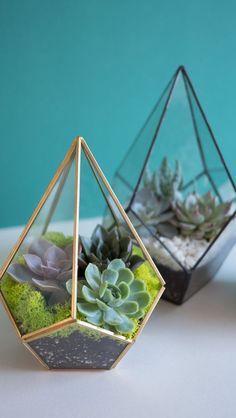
(214, 306)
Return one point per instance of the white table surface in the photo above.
(182, 366)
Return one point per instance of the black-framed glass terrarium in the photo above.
(178, 192)
(79, 293)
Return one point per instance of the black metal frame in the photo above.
(188, 88)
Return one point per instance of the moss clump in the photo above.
(58, 238)
(20, 259)
(153, 285)
(146, 273)
(28, 306)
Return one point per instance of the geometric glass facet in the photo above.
(177, 130)
(50, 278)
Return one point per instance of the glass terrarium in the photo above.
(79, 293)
(178, 192)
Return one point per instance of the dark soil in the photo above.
(78, 351)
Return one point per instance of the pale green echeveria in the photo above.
(112, 299)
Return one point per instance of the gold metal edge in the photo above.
(78, 369)
(43, 332)
(151, 309)
(9, 314)
(140, 328)
(103, 331)
(38, 208)
(76, 229)
(121, 210)
(38, 358)
(122, 354)
(135, 234)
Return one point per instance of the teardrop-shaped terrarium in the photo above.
(77, 292)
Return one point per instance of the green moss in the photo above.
(28, 306)
(58, 238)
(61, 312)
(20, 259)
(146, 273)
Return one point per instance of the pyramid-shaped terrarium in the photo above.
(178, 192)
(78, 293)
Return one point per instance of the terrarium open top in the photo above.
(78, 292)
(178, 192)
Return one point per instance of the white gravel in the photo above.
(186, 250)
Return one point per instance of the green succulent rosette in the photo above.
(113, 299)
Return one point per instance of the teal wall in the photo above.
(96, 68)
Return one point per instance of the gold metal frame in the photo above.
(79, 145)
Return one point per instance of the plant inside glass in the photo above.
(178, 192)
(79, 293)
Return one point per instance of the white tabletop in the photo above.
(182, 366)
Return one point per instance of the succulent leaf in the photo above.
(87, 308)
(105, 246)
(200, 217)
(47, 267)
(149, 210)
(88, 294)
(114, 296)
(110, 276)
(116, 264)
(92, 275)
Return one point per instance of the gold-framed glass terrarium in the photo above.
(178, 192)
(77, 292)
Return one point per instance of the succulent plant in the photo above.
(153, 213)
(163, 182)
(47, 267)
(200, 217)
(111, 299)
(104, 246)
(153, 203)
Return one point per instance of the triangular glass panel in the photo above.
(73, 285)
(181, 196)
(35, 273)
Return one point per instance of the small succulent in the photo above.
(152, 212)
(163, 182)
(153, 203)
(47, 267)
(111, 299)
(104, 246)
(200, 217)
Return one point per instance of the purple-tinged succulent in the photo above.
(47, 267)
(200, 217)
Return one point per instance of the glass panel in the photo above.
(214, 165)
(176, 138)
(117, 285)
(34, 285)
(108, 255)
(128, 173)
(175, 202)
(78, 347)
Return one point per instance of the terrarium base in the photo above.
(78, 350)
(182, 284)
